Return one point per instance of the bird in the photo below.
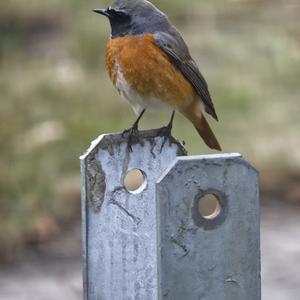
(151, 66)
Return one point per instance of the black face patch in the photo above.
(120, 22)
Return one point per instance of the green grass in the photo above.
(55, 96)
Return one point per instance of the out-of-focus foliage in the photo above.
(55, 96)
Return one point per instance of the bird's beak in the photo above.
(101, 11)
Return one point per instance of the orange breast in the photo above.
(148, 70)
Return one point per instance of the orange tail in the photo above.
(204, 130)
(207, 134)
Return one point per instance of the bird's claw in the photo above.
(132, 135)
(165, 132)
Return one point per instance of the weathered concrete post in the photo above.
(119, 227)
(154, 242)
(215, 257)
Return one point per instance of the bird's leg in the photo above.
(133, 132)
(166, 131)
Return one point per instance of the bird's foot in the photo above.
(166, 133)
(132, 135)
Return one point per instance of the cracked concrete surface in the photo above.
(135, 219)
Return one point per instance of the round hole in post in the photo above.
(210, 209)
(135, 181)
(209, 206)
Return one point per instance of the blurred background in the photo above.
(55, 97)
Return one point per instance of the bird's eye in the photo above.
(116, 13)
(109, 10)
(112, 11)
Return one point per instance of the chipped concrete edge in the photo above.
(94, 144)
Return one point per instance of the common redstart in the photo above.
(150, 65)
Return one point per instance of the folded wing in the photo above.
(174, 46)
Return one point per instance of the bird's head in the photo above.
(133, 17)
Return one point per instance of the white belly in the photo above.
(137, 101)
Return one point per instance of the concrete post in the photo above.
(153, 243)
(119, 227)
(215, 257)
